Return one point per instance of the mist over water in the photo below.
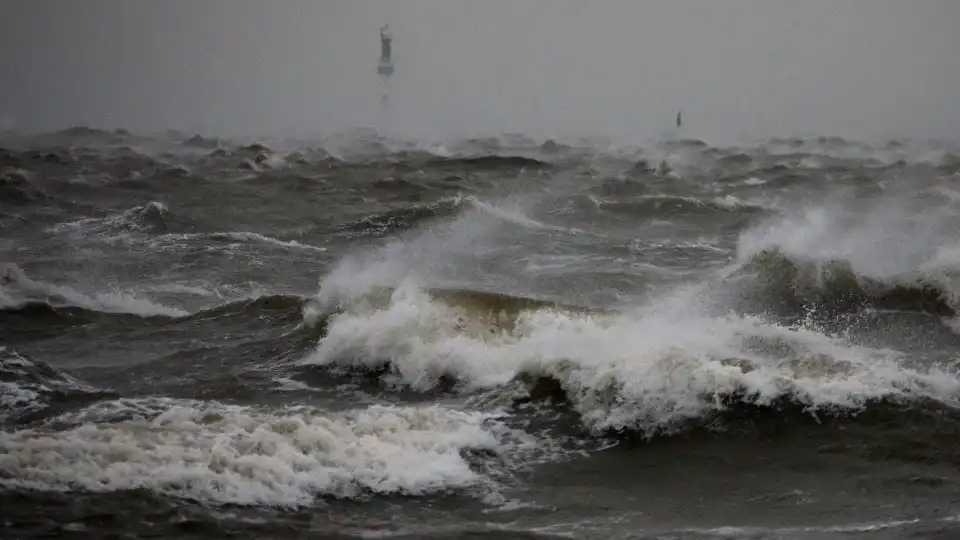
(238, 297)
(861, 69)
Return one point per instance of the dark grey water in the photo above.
(369, 337)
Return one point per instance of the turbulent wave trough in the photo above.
(472, 337)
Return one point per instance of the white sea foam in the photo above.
(650, 370)
(228, 454)
(139, 219)
(117, 226)
(237, 238)
(753, 181)
(665, 362)
(25, 386)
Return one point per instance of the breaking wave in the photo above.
(278, 307)
(652, 370)
(787, 286)
(218, 454)
(28, 387)
(884, 251)
(16, 187)
(151, 217)
(680, 358)
(402, 218)
(18, 291)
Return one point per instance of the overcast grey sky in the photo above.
(544, 67)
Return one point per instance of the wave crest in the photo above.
(152, 217)
(890, 251)
(789, 286)
(29, 387)
(18, 291)
(652, 371)
(219, 454)
(16, 187)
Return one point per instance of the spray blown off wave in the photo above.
(18, 291)
(667, 361)
(891, 251)
(653, 370)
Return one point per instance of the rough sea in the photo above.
(361, 336)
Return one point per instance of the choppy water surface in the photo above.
(367, 337)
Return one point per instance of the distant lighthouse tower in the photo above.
(385, 65)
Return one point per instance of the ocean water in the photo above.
(372, 337)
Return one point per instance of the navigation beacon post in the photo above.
(385, 65)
